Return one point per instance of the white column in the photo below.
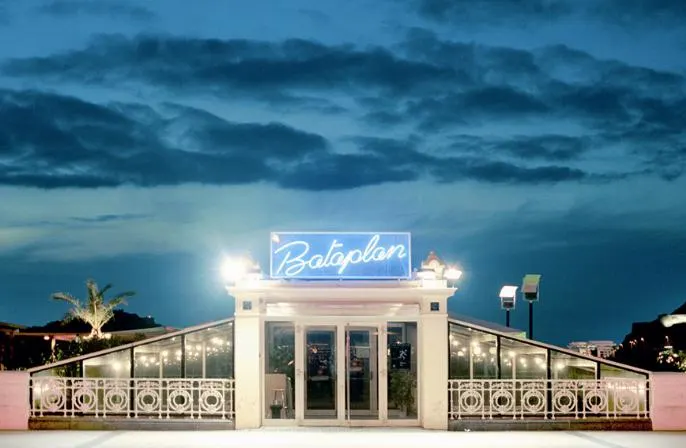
(433, 365)
(247, 371)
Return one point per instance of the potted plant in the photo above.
(403, 384)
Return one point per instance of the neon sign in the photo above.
(320, 255)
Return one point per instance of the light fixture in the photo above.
(530, 291)
(452, 274)
(241, 268)
(508, 298)
(508, 292)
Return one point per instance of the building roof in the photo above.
(485, 324)
(9, 326)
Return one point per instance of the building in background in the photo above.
(601, 349)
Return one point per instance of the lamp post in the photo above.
(530, 290)
(508, 297)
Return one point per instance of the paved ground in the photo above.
(338, 438)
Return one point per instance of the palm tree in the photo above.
(96, 312)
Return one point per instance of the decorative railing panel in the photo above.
(109, 397)
(553, 399)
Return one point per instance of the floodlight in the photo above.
(508, 292)
(530, 287)
(452, 273)
(237, 269)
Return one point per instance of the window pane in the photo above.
(402, 370)
(607, 371)
(112, 365)
(279, 370)
(72, 369)
(472, 353)
(161, 359)
(209, 352)
(522, 361)
(568, 367)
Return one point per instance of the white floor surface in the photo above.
(338, 438)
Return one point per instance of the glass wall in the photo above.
(113, 365)
(473, 355)
(209, 352)
(402, 370)
(279, 369)
(522, 361)
(608, 372)
(567, 367)
(206, 353)
(161, 359)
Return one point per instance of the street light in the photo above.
(530, 291)
(508, 297)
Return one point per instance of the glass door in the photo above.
(320, 375)
(361, 373)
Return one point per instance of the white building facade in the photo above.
(340, 332)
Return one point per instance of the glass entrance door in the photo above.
(320, 374)
(341, 374)
(362, 373)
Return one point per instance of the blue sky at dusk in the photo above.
(141, 141)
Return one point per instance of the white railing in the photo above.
(110, 397)
(548, 399)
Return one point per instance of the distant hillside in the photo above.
(646, 340)
(121, 321)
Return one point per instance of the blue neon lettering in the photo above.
(297, 256)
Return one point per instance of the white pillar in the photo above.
(247, 371)
(433, 358)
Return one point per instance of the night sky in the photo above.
(141, 141)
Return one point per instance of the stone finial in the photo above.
(434, 263)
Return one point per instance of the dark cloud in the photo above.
(239, 66)
(53, 141)
(481, 167)
(103, 8)
(551, 148)
(450, 170)
(434, 87)
(110, 218)
(492, 10)
(474, 107)
(529, 12)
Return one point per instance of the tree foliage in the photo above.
(673, 358)
(96, 311)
